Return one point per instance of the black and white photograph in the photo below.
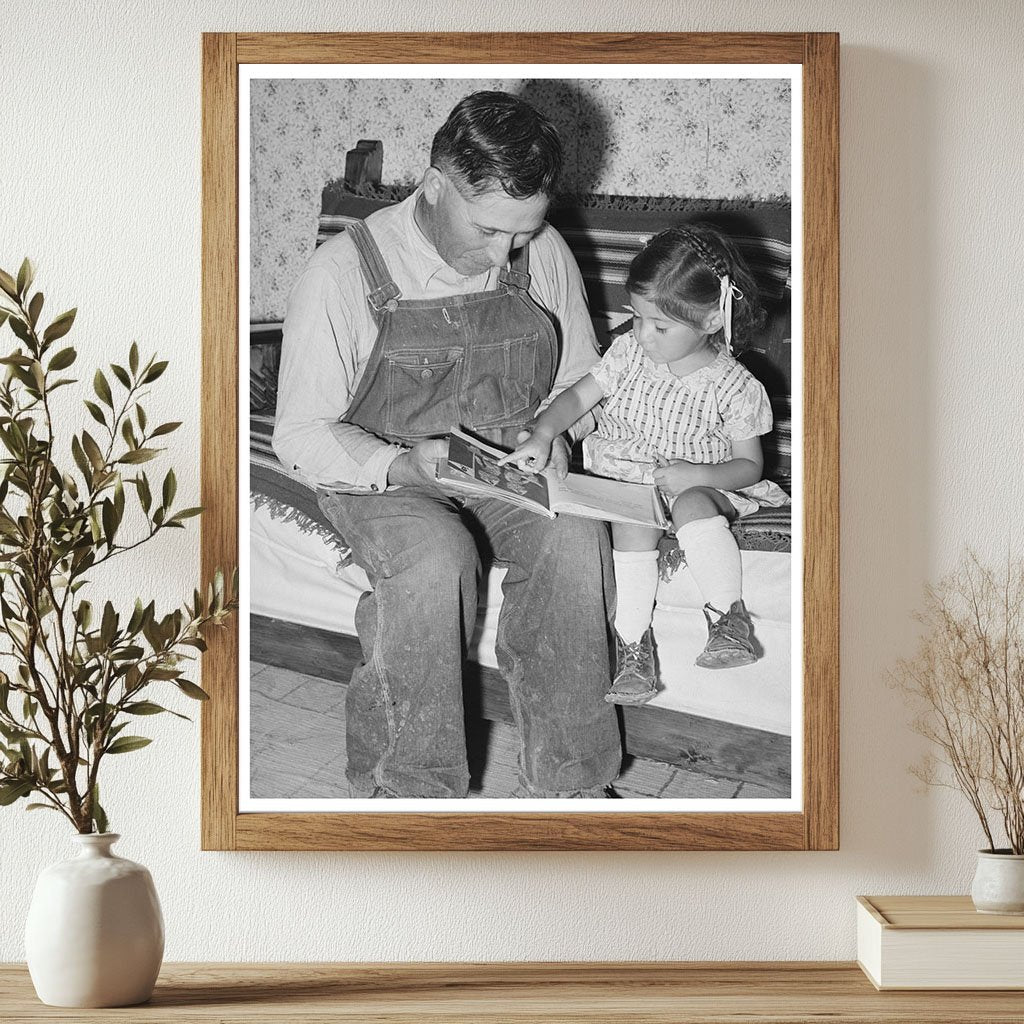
(595, 270)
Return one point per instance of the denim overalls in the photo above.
(483, 361)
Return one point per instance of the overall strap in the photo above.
(384, 293)
(518, 273)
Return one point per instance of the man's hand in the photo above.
(418, 466)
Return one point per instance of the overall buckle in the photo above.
(384, 298)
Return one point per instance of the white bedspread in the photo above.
(295, 576)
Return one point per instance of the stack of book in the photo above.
(938, 942)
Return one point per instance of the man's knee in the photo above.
(445, 551)
(575, 541)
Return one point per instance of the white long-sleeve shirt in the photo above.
(329, 334)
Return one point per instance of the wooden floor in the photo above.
(297, 744)
(524, 993)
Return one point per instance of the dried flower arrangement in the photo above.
(967, 682)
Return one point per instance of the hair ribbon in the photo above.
(728, 292)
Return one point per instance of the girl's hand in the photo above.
(675, 477)
(532, 454)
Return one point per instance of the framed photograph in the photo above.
(408, 234)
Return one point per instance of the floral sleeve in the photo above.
(614, 365)
(749, 414)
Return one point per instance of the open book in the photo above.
(473, 466)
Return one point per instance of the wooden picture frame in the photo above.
(816, 825)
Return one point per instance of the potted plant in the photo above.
(967, 682)
(79, 671)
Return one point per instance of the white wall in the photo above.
(100, 183)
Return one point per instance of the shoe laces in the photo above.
(637, 654)
(730, 626)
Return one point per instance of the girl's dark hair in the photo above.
(681, 271)
(494, 137)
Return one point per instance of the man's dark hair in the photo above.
(494, 137)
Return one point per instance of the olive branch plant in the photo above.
(80, 674)
(966, 681)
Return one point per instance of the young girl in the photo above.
(681, 412)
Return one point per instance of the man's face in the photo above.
(473, 233)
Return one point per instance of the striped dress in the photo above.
(649, 413)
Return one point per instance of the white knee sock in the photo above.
(636, 582)
(713, 559)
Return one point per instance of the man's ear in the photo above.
(433, 185)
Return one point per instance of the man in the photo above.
(461, 306)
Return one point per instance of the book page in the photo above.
(614, 500)
(472, 465)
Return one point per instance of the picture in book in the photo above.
(477, 468)
(586, 591)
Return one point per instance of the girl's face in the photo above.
(663, 339)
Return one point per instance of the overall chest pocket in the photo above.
(423, 390)
(503, 388)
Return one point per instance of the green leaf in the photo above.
(108, 627)
(83, 613)
(4, 314)
(102, 388)
(63, 359)
(15, 790)
(99, 817)
(165, 428)
(109, 521)
(92, 449)
(95, 412)
(41, 807)
(185, 513)
(145, 498)
(121, 374)
(140, 415)
(133, 358)
(128, 433)
(26, 274)
(144, 707)
(7, 283)
(34, 308)
(191, 690)
(60, 326)
(170, 488)
(154, 371)
(139, 455)
(125, 744)
(119, 498)
(20, 328)
(80, 458)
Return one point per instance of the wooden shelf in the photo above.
(649, 993)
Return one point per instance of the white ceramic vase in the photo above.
(999, 883)
(95, 934)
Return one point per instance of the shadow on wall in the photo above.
(583, 124)
(889, 265)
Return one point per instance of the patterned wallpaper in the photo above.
(715, 138)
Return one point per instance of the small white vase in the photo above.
(95, 934)
(999, 882)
